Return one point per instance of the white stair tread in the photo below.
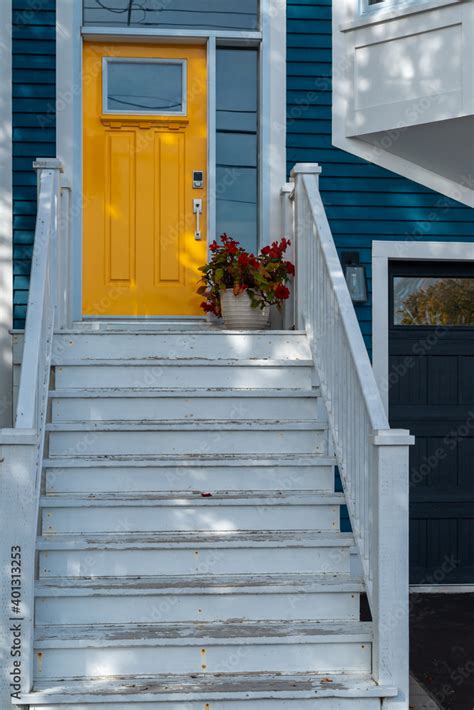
(212, 633)
(140, 392)
(176, 362)
(176, 540)
(185, 425)
(210, 687)
(198, 584)
(170, 460)
(181, 499)
(198, 327)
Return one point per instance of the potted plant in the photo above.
(241, 287)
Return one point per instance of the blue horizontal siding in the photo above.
(364, 202)
(34, 135)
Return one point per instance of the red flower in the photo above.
(290, 268)
(244, 260)
(214, 246)
(232, 248)
(282, 292)
(265, 251)
(208, 307)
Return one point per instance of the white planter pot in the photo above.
(238, 313)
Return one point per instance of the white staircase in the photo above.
(170, 528)
(189, 551)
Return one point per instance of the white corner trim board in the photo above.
(69, 128)
(382, 253)
(70, 35)
(6, 221)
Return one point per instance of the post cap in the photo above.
(17, 436)
(393, 437)
(306, 169)
(48, 164)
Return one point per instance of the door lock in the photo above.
(198, 179)
(197, 209)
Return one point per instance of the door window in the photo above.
(152, 86)
(431, 301)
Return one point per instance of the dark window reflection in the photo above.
(197, 14)
(433, 301)
(143, 87)
(237, 145)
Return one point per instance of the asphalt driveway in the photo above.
(442, 647)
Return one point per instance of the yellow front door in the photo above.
(145, 165)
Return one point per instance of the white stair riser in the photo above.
(199, 607)
(185, 376)
(128, 660)
(251, 703)
(96, 479)
(180, 345)
(184, 408)
(174, 442)
(227, 560)
(189, 517)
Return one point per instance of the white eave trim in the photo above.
(6, 216)
(406, 169)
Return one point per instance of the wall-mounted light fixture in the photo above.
(355, 275)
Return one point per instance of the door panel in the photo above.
(120, 234)
(431, 393)
(140, 255)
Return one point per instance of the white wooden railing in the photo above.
(372, 458)
(22, 446)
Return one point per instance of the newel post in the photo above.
(390, 593)
(18, 515)
(59, 247)
(303, 233)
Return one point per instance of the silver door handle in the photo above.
(197, 209)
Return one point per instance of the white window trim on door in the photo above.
(6, 216)
(271, 37)
(382, 254)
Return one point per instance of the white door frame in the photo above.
(6, 216)
(272, 37)
(382, 253)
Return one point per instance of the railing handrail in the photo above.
(372, 458)
(45, 236)
(355, 341)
